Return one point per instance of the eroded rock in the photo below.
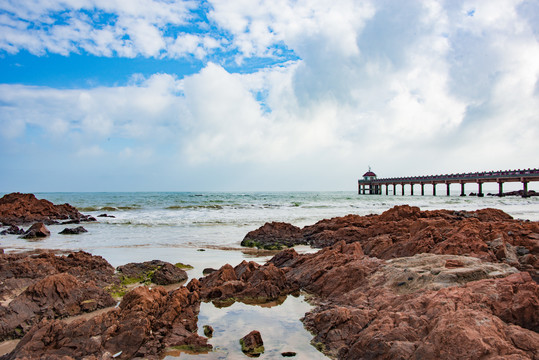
(146, 323)
(55, 296)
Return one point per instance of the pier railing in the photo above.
(374, 186)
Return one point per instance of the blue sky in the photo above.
(101, 95)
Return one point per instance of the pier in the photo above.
(372, 185)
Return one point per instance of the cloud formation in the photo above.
(429, 86)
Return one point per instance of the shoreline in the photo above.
(372, 270)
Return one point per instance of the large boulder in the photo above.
(274, 235)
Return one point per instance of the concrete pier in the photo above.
(370, 184)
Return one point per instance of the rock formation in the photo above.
(17, 209)
(489, 234)
(55, 296)
(147, 322)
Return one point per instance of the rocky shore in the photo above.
(405, 284)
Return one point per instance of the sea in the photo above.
(205, 229)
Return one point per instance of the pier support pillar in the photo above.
(480, 190)
(412, 189)
(500, 189)
(524, 189)
(422, 189)
(394, 189)
(402, 189)
(448, 189)
(462, 193)
(387, 189)
(433, 189)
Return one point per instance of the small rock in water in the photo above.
(288, 354)
(38, 230)
(208, 331)
(73, 231)
(252, 344)
(208, 271)
(106, 215)
(12, 230)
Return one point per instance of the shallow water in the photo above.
(279, 325)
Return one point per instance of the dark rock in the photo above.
(53, 297)
(208, 271)
(38, 230)
(73, 231)
(208, 331)
(252, 344)
(106, 215)
(274, 235)
(17, 208)
(168, 274)
(288, 354)
(12, 230)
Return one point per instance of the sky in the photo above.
(251, 95)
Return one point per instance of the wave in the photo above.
(108, 208)
(184, 207)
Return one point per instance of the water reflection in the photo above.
(278, 323)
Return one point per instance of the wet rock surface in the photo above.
(73, 231)
(18, 208)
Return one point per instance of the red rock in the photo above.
(168, 274)
(146, 323)
(17, 208)
(247, 280)
(55, 296)
(489, 234)
(252, 343)
(38, 230)
(18, 271)
(274, 235)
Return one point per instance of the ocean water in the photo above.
(205, 230)
(166, 225)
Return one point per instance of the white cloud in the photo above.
(427, 82)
